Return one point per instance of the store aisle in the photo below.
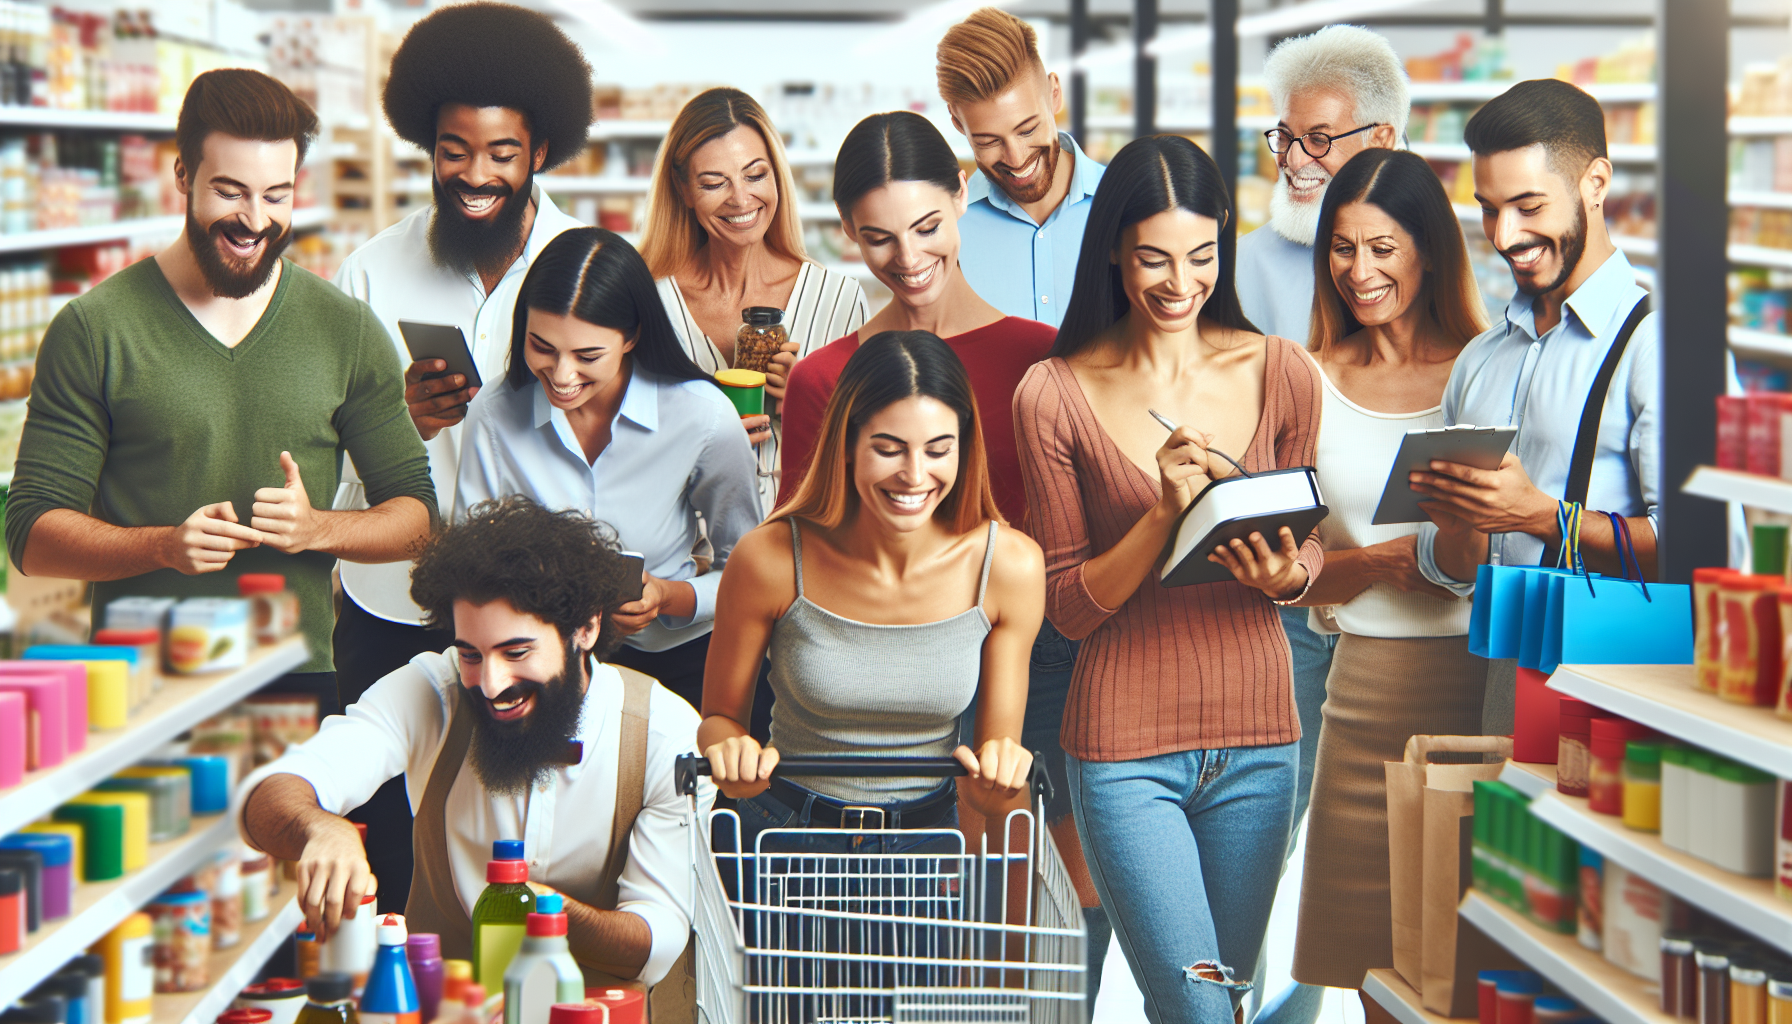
(1119, 1001)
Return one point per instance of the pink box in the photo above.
(74, 693)
(1732, 432)
(1762, 439)
(46, 723)
(12, 739)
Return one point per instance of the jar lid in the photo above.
(1732, 771)
(180, 899)
(762, 316)
(1559, 1004)
(260, 583)
(1712, 574)
(738, 378)
(1520, 983)
(56, 848)
(1676, 945)
(1749, 582)
(1674, 753)
(127, 637)
(245, 1015)
(1642, 752)
(1712, 960)
(1747, 974)
(329, 987)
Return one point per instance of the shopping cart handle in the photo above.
(689, 766)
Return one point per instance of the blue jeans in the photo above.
(1312, 654)
(1186, 849)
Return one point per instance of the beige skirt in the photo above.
(1379, 693)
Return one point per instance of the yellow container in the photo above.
(130, 970)
(76, 835)
(136, 823)
(109, 687)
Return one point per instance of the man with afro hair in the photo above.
(495, 94)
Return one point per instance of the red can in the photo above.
(626, 1005)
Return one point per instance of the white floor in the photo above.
(1119, 1001)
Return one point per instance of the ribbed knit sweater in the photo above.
(1173, 668)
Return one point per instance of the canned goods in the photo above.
(182, 930)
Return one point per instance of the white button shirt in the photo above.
(1539, 384)
(395, 274)
(397, 727)
(676, 450)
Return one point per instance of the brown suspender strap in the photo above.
(631, 777)
(434, 904)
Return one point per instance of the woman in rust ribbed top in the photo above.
(1180, 728)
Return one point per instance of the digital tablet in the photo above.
(1480, 447)
(440, 341)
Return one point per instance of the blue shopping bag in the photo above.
(1616, 620)
(1534, 615)
(1496, 618)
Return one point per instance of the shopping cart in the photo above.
(873, 924)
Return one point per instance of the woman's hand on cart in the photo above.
(997, 775)
(742, 768)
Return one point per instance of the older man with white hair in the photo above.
(1336, 93)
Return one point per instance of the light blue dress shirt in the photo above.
(1509, 375)
(1023, 268)
(1275, 283)
(676, 450)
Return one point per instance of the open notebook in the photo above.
(1236, 507)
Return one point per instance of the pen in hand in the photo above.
(1169, 425)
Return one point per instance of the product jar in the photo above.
(1605, 774)
(1573, 749)
(1642, 786)
(283, 998)
(1748, 994)
(257, 873)
(227, 901)
(1741, 837)
(1779, 1001)
(760, 336)
(183, 940)
(148, 645)
(1708, 627)
(1714, 986)
(1676, 782)
(1679, 978)
(1751, 665)
(273, 609)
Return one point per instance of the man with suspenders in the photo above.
(517, 731)
(1575, 364)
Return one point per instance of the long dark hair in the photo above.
(1403, 186)
(595, 276)
(1147, 177)
(886, 369)
(897, 146)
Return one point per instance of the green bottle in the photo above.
(502, 913)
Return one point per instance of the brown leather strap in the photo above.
(631, 777)
(434, 904)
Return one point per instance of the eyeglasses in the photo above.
(1316, 144)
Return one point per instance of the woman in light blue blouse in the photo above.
(602, 411)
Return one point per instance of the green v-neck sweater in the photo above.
(139, 416)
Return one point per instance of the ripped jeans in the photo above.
(1186, 850)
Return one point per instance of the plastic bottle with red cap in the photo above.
(390, 996)
(246, 1015)
(543, 972)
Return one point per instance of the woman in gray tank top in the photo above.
(887, 593)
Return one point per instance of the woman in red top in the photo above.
(900, 193)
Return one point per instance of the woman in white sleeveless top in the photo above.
(723, 235)
(1395, 304)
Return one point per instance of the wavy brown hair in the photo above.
(673, 235)
(886, 369)
(1402, 185)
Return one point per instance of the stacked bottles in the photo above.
(500, 915)
(1523, 862)
(543, 972)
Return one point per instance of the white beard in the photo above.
(1291, 218)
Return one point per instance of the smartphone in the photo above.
(440, 341)
(637, 564)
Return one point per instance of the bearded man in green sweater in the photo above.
(190, 413)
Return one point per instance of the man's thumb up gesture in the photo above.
(283, 515)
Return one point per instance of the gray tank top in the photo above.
(850, 687)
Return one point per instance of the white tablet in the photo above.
(1480, 447)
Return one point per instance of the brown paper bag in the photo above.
(1430, 821)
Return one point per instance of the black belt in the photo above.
(826, 812)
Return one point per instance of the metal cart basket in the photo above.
(874, 924)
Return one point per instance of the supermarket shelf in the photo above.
(1533, 780)
(1769, 200)
(95, 120)
(1749, 489)
(1761, 126)
(1124, 123)
(1612, 993)
(99, 906)
(554, 184)
(1444, 92)
(1621, 153)
(184, 702)
(1747, 903)
(1634, 245)
(1391, 992)
(1749, 342)
(55, 238)
(310, 217)
(1662, 697)
(629, 129)
(234, 968)
(817, 211)
(1761, 256)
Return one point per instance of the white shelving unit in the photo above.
(629, 129)
(99, 906)
(1761, 256)
(1760, 125)
(232, 969)
(1621, 153)
(1748, 488)
(1533, 780)
(184, 702)
(1391, 992)
(90, 120)
(817, 211)
(1613, 994)
(56, 238)
(1482, 91)
(1748, 342)
(1768, 200)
